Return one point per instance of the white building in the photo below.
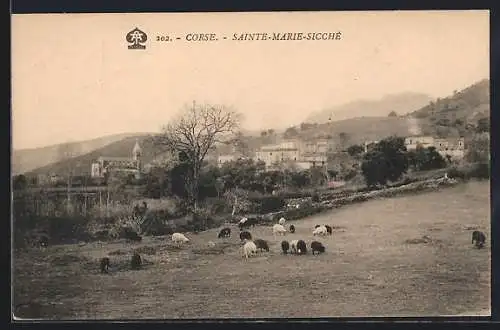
(412, 142)
(104, 165)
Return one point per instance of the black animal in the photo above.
(479, 237)
(317, 226)
(301, 247)
(317, 247)
(292, 229)
(226, 232)
(285, 246)
(43, 241)
(328, 229)
(261, 244)
(245, 235)
(104, 265)
(247, 224)
(136, 261)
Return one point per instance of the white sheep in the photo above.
(282, 221)
(293, 246)
(249, 249)
(179, 238)
(278, 230)
(211, 244)
(321, 230)
(243, 220)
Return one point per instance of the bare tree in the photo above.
(192, 134)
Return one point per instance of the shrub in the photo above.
(267, 204)
(480, 171)
(315, 198)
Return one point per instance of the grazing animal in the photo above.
(285, 246)
(104, 265)
(249, 249)
(301, 247)
(245, 235)
(321, 230)
(247, 223)
(278, 230)
(317, 247)
(179, 238)
(317, 226)
(261, 245)
(479, 238)
(293, 246)
(292, 229)
(282, 221)
(211, 244)
(226, 232)
(243, 220)
(136, 262)
(43, 241)
(328, 229)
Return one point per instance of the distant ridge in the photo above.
(25, 160)
(401, 103)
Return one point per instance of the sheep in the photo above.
(278, 230)
(293, 246)
(317, 226)
(249, 249)
(317, 247)
(104, 265)
(479, 237)
(285, 246)
(328, 229)
(135, 261)
(261, 244)
(292, 229)
(247, 223)
(243, 220)
(43, 241)
(321, 230)
(282, 221)
(245, 235)
(211, 244)
(301, 247)
(179, 238)
(225, 232)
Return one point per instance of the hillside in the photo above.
(81, 164)
(458, 113)
(400, 103)
(358, 130)
(25, 160)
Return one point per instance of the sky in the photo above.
(73, 77)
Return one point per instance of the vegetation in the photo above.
(387, 161)
(191, 136)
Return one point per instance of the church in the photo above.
(104, 165)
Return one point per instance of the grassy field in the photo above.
(369, 268)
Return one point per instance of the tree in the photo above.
(424, 159)
(483, 125)
(393, 114)
(478, 150)
(386, 162)
(192, 134)
(291, 132)
(20, 182)
(355, 150)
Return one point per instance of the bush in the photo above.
(480, 171)
(267, 204)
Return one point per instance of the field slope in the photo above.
(369, 269)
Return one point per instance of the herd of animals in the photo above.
(252, 246)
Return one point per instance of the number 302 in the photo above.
(163, 38)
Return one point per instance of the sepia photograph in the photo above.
(250, 165)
